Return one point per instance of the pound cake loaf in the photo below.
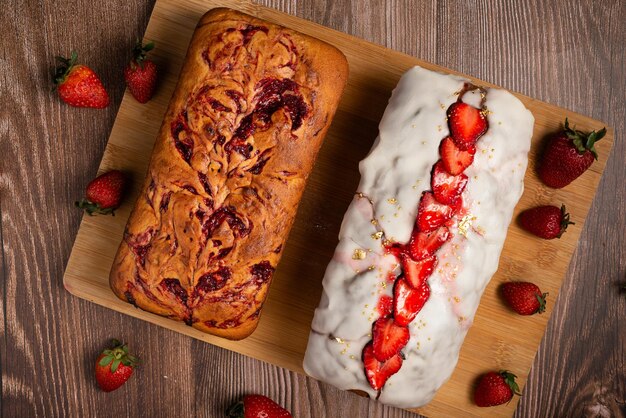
(239, 139)
(421, 239)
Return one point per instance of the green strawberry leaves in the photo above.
(140, 53)
(62, 71)
(584, 141)
(116, 356)
(509, 379)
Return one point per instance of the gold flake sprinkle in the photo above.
(374, 222)
(392, 200)
(465, 224)
(441, 105)
(499, 122)
(428, 338)
(343, 351)
(377, 235)
(370, 268)
(457, 299)
(352, 357)
(439, 128)
(423, 142)
(413, 125)
(339, 340)
(360, 195)
(359, 254)
(418, 345)
(382, 217)
(461, 319)
(395, 215)
(383, 285)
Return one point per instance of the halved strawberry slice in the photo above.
(407, 301)
(447, 188)
(378, 372)
(417, 272)
(425, 244)
(388, 338)
(467, 123)
(455, 160)
(432, 214)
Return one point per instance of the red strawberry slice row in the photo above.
(446, 187)
(378, 372)
(425, 244)
(417, 272)
(388, 338)
(467, 123)
(407, 301)
(432, 214)
(455, 160)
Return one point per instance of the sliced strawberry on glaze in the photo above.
(407, 301)
(388, 338)
(432, 214)
(378, 372)
(417, 272)
(467, 123)
(385, 305)
(425, 244)
(446, 187)
(455, 160)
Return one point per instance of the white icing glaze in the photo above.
(393, 176)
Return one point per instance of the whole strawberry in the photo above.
(546, 222)
(78, 85)
(495, 388)
(141, 73)
(257, 406)
(104, 193)
(568, 155)
(114, 366)
(525, 298)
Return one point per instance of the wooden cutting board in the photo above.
(498, 339)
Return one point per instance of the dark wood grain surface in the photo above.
(569, 53)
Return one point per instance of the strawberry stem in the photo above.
(140, 53)
(564, 221)
(509, 378)
(93, 208)
(62, 71)
(541, 298)
(584, 141)
(236, 411)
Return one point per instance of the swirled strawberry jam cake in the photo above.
(421, 239)
(241, 133)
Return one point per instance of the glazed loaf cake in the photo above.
(239, 139)
(421, 239)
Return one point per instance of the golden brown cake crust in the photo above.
(238, 141)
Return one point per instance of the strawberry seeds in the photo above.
(383, 356)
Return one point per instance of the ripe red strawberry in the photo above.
(425, 244)
(257, 406)
(467, 123)
(141, 73)
(388, 338)
(524, 298)
(114, 367)
(78, 85)
(446, 187)
(568, 155)
(104, 193)
(495, 388)
(546, 222)
(417, 272)
(407, 301)
(432, 214)
(455, 160)
(378, 372)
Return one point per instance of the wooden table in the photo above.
(567, 53)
